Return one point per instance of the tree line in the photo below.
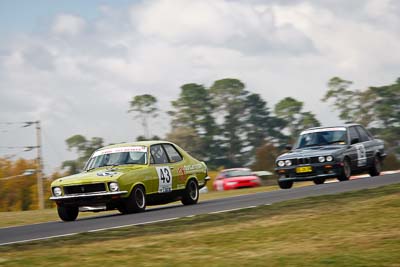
(223, 124)
(18, 191)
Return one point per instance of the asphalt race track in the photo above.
(10, 235)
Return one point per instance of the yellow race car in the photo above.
(130, 176)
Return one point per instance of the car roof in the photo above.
(345, 125)
(138, 143)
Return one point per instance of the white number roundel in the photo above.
(164, 179)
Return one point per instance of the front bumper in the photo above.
(241, 185)
(319, 171)
(89, 198)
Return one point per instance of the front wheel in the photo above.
(136, 202)
(191, 194)
(346, 171)
(68, 214)
(319, 181)
(376, 167)
(285, 184)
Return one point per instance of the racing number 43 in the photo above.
(165, 176)
(164, 179)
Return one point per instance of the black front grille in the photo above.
(305, 161)
(86, 188)
(301, 161)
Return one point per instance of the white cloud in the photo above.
(246, 28)
(68, 24)
(79, 76)
(347, 44)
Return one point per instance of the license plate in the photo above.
(303, 169)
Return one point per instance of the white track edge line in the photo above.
(37, 239)
(222, 211)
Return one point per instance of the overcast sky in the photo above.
(75, 65)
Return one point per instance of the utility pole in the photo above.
(39, 166)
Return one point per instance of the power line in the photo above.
(26, 148)
(22, 124)
(26, 123)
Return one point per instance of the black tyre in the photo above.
(68, 214)
(136, 202)
(191, 194)
(319, 181)
(346, 171)
(376, 167)
(285, 184)
(121, 208)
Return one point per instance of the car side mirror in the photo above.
(288, 147)
(355, 141)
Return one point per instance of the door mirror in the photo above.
(288, 147)
(355, 141)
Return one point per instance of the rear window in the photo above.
(363, 134)
(172, 153)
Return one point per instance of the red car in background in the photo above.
(235, 178)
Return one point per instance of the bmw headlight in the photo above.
(288, 162)
(281, 163)
(57, 191)
(113, 186)
(321, 159)
(329, 158)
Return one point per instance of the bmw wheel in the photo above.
(319, 180)
(346, 171)
(285, 184)
(191, 193)
(376, 167)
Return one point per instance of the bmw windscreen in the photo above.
(322, 137)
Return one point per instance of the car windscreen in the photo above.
(322, 137)
(237, 173)
(117, 156)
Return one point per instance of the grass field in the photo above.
(351, 229)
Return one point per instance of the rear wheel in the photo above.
(346, 171)
(136, 202)
(376, 167)
(68, 214)
(285, 184)
(191, 193)
(319, 181)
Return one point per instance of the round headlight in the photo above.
(281, 163)
(113, 187)
(321, 159)
(329, 158)
(57, 191)
(288, 162)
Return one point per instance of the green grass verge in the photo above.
(351, 229)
